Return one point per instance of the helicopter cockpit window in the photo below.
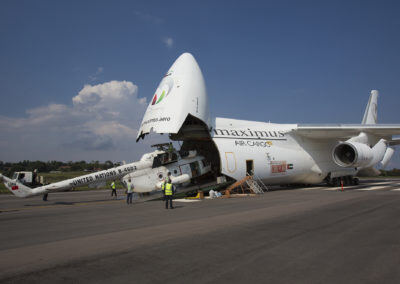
(164, 158)
(156, 162)
(21, 176)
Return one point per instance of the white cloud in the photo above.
(169, 42)
(95, 76)
(100, 124)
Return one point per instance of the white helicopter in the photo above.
(146, 175)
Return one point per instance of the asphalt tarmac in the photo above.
(302, 235)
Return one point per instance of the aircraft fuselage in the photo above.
(272, 152)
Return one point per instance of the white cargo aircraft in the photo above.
(146, 175)
(276, 153)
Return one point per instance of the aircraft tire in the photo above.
(347, 181)
(336, 182)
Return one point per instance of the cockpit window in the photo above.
(164, 159)
(15, 176)
(156, 162)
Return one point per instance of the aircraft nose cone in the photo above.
(186, 64)
(181, 92)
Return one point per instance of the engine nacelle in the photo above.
(352, 154)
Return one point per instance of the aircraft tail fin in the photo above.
(16, 188)
(371, 112)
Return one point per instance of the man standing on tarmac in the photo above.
(129, 192)
(168, 190)
(113, 188)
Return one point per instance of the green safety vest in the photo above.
(168, 189)
(113, 185)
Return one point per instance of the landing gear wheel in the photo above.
(336, 181)
(356, 181)
(346, 180)
(351, 180)
(45, 196)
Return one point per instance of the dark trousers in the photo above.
(168, 198)
(114, 192)
(129, 198)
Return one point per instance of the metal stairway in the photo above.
(256, 184)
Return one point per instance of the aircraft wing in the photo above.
(341, 131)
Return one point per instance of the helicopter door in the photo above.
(185, 169)
(195, 169)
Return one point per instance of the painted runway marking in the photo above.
(379, 183)
(312, 188)
(373, 188)
(332, 188)
(362, 187)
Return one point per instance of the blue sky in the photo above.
(279, 61)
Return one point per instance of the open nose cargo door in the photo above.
(180, 108)
(180, 100)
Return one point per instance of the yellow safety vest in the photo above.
(168, 189)
(113, 185)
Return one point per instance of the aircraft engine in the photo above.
(352, 154)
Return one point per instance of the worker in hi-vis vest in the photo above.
(114, 189)
(129, 192)
(168, 190)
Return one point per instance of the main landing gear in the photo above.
(347, 180)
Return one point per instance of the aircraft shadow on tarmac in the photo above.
(69, 202)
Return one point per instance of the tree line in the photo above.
(392, 172)
(9, 168)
